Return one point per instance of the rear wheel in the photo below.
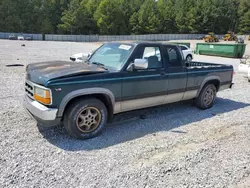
(207, 96)
(85, 119)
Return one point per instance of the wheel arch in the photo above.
(104, 95)
(190, 56)
(210, 80)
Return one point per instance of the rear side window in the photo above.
(175, 59)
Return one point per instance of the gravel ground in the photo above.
(176, 145)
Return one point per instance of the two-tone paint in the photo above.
(128, 90)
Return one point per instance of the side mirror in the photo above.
(140, 64)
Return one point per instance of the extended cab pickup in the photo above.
(115, 78)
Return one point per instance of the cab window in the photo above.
(153, 55)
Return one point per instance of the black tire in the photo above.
(205, 100)
(75, 110)
(248, 79)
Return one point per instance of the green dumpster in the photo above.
(223, 50)
(182, 43)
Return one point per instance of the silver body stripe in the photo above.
(153, 101)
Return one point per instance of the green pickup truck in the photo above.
(115, 78)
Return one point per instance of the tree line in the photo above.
(117, 17)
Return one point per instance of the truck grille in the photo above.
(29, 89)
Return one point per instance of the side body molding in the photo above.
(207, 79)
(82, 92)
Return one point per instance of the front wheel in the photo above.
(85, 118)
(207, 96)
(189, 58)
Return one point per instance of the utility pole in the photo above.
(235, 15)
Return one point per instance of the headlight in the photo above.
(42, 95)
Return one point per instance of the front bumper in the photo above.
(42, 114)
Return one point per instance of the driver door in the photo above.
(147, 87)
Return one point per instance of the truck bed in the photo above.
(196, 64)
(198, 72)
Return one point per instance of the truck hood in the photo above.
(40, 73)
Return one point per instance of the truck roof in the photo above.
(135, 43)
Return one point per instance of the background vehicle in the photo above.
(117, 78)
(12, 37)
(244, 67)
(249, 38)
(239, 40)
(20, 37)
(80, 57)
(211, 37)
(28, 38)
(187, 52)
(230, 36)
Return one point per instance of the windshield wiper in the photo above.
(97, 63)
(100, 64)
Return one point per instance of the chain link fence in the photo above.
(107, 38)
(25, 35)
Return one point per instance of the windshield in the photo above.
(112, 55)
